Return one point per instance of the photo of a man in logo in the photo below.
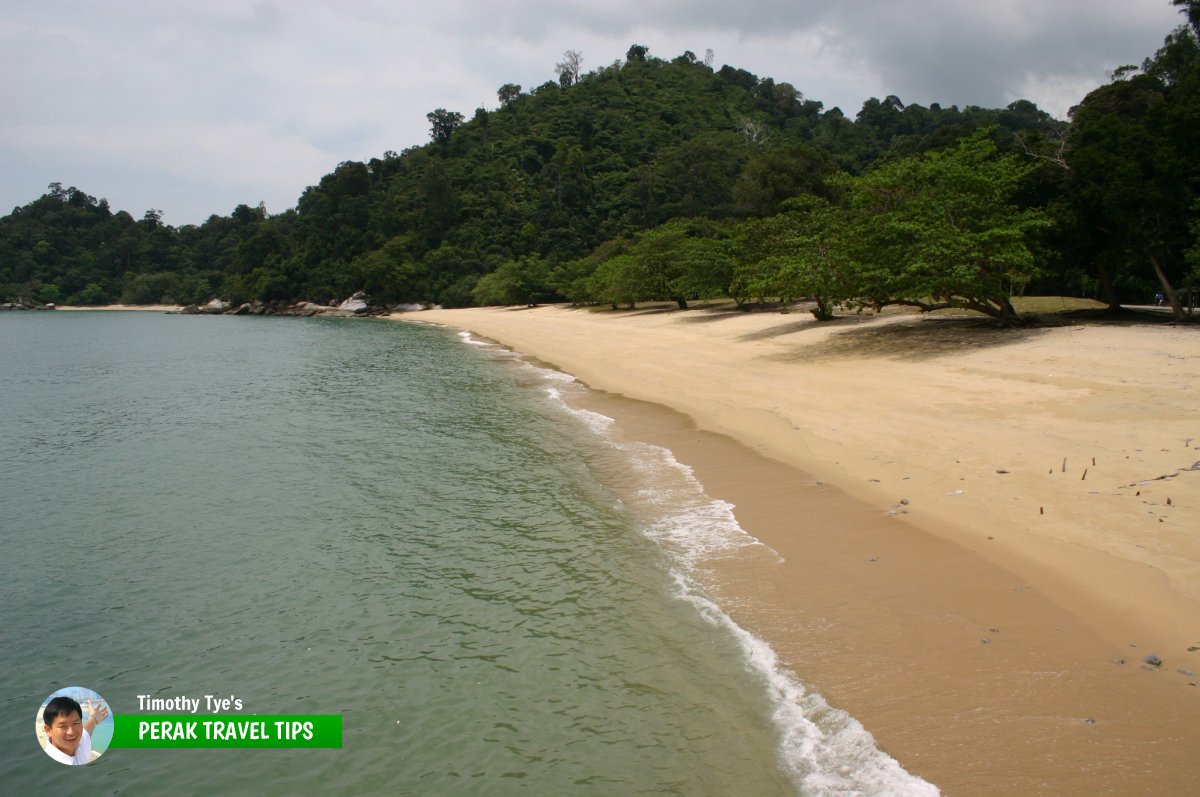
(68, 726)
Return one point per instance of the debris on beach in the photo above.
(1195, 466)
(1153, 661)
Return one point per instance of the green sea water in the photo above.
(382, 521)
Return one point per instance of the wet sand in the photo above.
(950, 574)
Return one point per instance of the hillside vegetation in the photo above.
(667, 179)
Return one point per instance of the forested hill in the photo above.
(547, 188)
(550, 174)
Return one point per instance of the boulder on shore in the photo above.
(356, 305)
(25, 303)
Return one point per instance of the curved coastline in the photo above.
(977, 641)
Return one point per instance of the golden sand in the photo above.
(984, 532)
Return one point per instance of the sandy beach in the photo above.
(984, 533)
(153, 308)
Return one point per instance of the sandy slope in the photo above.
(1027, 496)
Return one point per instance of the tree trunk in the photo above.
(822, 310)
(679, 300)
(1172, 296)
(1003, 311)
(1107, 290)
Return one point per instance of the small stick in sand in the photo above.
(1084, 476)
(1064, 468)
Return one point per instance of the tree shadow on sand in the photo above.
(932, 336)
(804, 323)
(909, 339)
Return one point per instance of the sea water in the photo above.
(393, 522)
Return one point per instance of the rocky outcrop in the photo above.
(25, 303)
(412, 307)
(356, 305)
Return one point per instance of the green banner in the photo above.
(227, 730)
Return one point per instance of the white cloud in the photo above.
(196, 107)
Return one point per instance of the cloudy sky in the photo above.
(195, 107)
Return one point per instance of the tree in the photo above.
(1132, 180)
(941, 230)
(697, 177)
(438, 204)
(681, 260)
(800, 252)
(508, 92)
(884, 117)
(773, 175)
(514, 282)
(618, 280)
(755, 131)
(1193, 253)
(442, 124)
(568, 68)
(637, 52)
(1190, 8)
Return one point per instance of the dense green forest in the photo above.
(669, 180)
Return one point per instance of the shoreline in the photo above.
(976, 647)
(145, 308)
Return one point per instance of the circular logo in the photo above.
(74, 726)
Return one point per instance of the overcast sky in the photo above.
(195, 107)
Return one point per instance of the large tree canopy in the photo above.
(1133, 171)
(942, 230)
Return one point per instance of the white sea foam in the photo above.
(467, 337)
(824, 750)
(550, 375)
(557, 385)
(687, 522)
